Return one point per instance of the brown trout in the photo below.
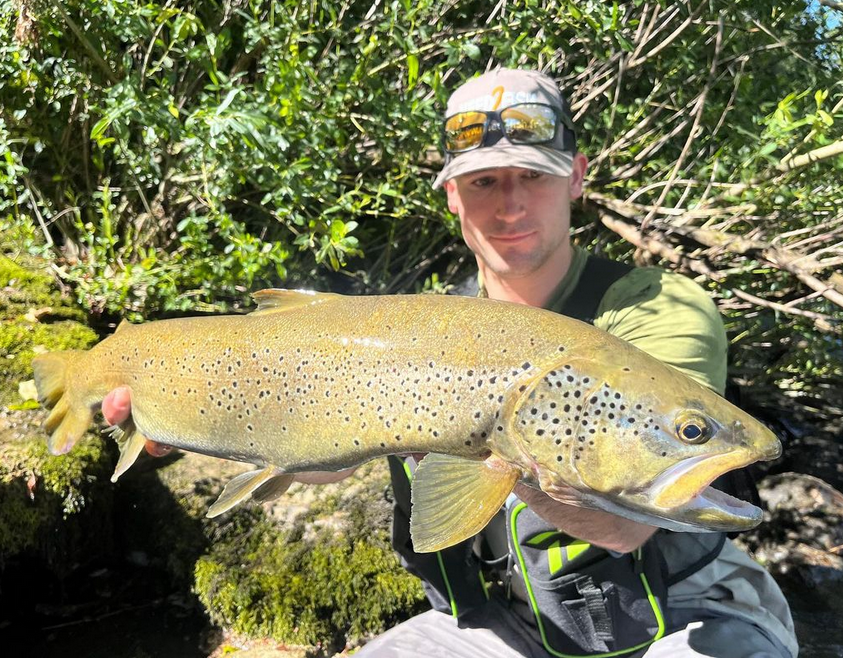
(496, 392)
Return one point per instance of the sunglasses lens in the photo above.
(529, 123)
(464, 131)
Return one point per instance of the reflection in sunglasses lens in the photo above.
(524, 123)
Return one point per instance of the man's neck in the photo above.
(533, 289)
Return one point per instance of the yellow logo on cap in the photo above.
(497, 91)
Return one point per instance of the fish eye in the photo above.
(693, 428)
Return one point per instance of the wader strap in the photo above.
(705, 560)
(596, 606)
(597, 277)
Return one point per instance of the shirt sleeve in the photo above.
(671, 318)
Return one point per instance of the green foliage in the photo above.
(221, 151)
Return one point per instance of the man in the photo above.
(546, 578)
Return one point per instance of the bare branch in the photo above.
(822, 153)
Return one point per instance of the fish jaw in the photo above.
(684, 493)
(706, 510)
(686, 479)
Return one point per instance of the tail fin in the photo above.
(69, 419)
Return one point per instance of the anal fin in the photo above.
(273, 488)
(244, 485)
(455, 498)
(130, 442)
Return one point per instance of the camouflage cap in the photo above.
(497, 90)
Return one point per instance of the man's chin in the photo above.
(515, 268)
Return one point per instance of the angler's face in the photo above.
(515, 220)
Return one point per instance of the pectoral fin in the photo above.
(455, 498)
(244, 485)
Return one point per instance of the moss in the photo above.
(27, 284)
(19, 340)
(24, 291)
(55, 508)
(330, 579)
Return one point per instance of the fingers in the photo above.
(157, 449)
(117, 405)
(116, 408)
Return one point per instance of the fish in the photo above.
(493, 392)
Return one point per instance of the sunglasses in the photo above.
(523, 123)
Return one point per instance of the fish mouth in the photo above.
(683, 491)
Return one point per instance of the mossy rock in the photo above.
(315, 568)
(34, 317)
(54, 511)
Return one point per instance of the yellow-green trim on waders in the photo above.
(652, 599)
(454, 611)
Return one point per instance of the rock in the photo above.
(800, 543)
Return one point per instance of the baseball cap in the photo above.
(495, 91)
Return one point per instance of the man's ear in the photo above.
(580, 165)
(450, 188)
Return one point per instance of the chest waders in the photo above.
(581, 599)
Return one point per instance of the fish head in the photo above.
(635, 434)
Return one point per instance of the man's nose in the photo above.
(512, 201)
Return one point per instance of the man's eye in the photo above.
(532, 174)
(484, 181)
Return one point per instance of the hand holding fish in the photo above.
(117, 408)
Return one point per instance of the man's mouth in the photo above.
(512, 238)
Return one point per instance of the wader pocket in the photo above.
(585, 601)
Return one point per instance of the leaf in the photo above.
(227, 101)
(471, 51)
(767, 148)
(412, 70)
(27, 390)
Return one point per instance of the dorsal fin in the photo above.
(279, 299)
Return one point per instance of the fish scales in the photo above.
(322, 388)
(499, 391)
